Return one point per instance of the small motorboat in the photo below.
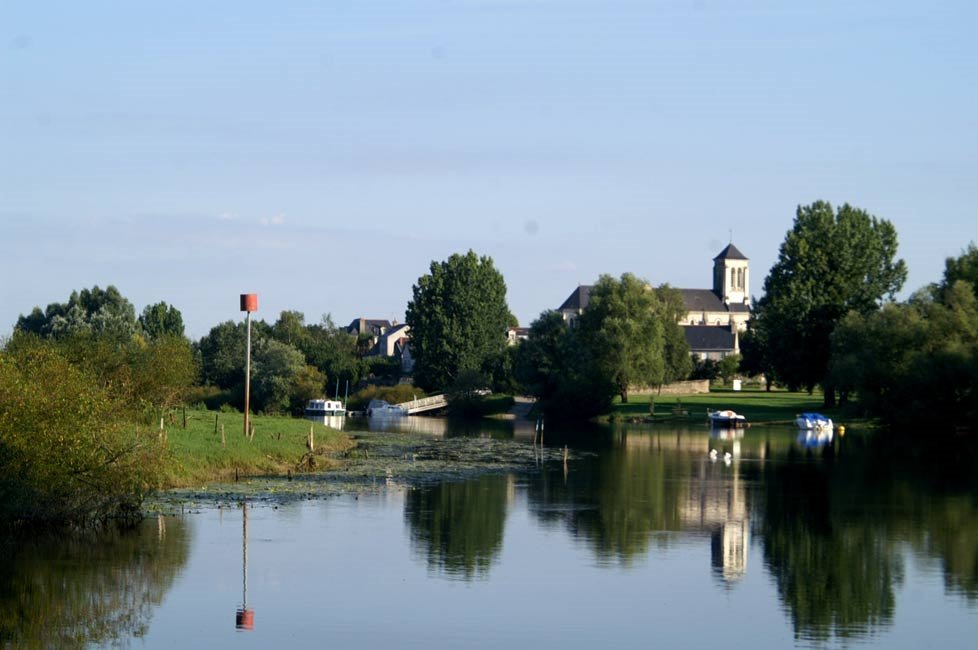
(813, 422)
(726, 418)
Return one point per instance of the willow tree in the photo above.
(632, 333)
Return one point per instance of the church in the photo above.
(714, 317)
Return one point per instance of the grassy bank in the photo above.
(195, 455)
(776, 407)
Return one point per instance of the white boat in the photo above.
(726, 418)
(378, 408)
(318, 408)
(813, 422)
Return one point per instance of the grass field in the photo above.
(197, 456)
(776, 407)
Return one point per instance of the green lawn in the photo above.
(196, 456)
(757, 405)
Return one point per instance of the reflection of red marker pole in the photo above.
(244, 618)
(249, 303)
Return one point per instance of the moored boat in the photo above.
(813, 422)
(317, 408)
(726, 418)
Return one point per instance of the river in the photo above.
(640, 539)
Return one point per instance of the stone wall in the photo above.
(693, 387)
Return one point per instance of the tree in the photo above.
(632, 333)
(913, 364)
(458, 318)
(101, 313)
(830, 262)
(276, 370)
(161, 319)
(729, 366)
(964, 267)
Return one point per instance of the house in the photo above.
(373, 326)
(516, 334)
(714, 317)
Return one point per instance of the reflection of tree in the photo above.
(94, 588)
(617, 501)
(459, 526)
(834, 566)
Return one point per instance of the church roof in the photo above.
(730, 253)
(709, 338)
(578, 298)
(702, 300)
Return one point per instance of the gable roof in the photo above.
(709, 338)
(578, 298)
(730, 253)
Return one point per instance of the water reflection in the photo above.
(71, 591)
(458, 527)
(826, 532)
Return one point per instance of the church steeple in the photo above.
(731, 276)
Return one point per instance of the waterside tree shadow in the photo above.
(94, 588)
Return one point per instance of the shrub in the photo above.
(68, 452)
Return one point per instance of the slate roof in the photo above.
(730, 253)
(709, 338)
(702, 300)
(578, 299)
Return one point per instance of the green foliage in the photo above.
(458, 318)
(467, 393)
(98, 312)
(391, 394)
(68, 450)
(160, 320)
(706, 369)
(278, 370)
(554, 365)
(964, 267)
(632, 334)
(728, 367)
(830, 262)
(913, 364)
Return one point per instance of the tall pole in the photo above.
(249, 303)
(247, 406)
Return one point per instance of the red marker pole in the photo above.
(249, 303)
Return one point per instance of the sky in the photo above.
(323, 154)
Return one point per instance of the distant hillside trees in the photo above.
(831, 262)
(458, 318)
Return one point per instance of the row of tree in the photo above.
(828, 319)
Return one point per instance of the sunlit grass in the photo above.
(773, 407)
(196, 455)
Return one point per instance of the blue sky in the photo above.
(322, 154)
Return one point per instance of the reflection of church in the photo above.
(714, 502)
(717, 503)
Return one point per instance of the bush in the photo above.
(68, 452)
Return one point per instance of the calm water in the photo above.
(643, 541)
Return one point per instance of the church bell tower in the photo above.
(731, 276)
